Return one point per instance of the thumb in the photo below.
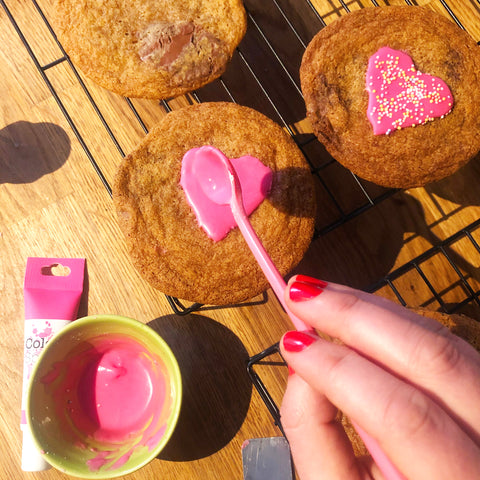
(317, 440)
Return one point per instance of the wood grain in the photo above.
(54, 203)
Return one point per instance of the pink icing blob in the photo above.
(217, 220)
(110, 397)
(400, 96)
(116, 390)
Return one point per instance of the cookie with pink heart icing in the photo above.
(189, 248)
(392, 93)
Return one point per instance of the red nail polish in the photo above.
(299, 291)
(296, 341)
(311, 280)
(291, 371)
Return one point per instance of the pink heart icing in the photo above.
(400, 96)
(217, 220)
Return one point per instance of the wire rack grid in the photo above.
(278, 33)
(298, 21)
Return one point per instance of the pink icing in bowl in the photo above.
(104, 397)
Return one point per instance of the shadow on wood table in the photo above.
(30, 150)
(216, 387)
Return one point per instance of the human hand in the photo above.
(403, 378)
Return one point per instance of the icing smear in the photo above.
(217, 220)
(400, 96)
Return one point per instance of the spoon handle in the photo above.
(389, 471)
(278, 284)
(269, 269)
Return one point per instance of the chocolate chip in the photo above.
(187, 51)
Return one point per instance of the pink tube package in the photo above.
(52, 291)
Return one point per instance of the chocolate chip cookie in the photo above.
(150, 48)
(168, 246)
(419, 148)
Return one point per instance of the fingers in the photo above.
(416, 348)
(319, 446)
(418, 436)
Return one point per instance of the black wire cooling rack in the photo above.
(278, 31)
(297, 21)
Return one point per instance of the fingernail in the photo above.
(311, 280)
(291, 371)
(301, 291)
(296, 341)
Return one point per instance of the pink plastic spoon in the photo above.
(219, 181)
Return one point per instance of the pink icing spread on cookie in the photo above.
(400, 96)
(217, 220)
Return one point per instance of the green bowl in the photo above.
(104, 397)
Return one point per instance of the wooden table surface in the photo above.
(61, 140)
